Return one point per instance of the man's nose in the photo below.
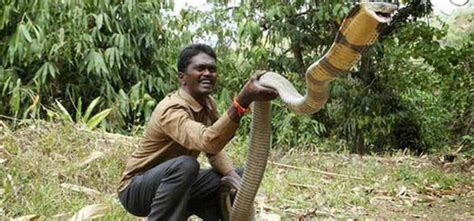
(207, 72)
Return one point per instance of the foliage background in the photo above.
(107, 63)
(413, 89)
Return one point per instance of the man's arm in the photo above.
(177, 123)
(221, 162)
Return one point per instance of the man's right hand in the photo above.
(254, 91)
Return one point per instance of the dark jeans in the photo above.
(174, 190)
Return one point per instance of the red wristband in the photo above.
(240, 110)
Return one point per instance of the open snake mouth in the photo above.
(383, 12)
(384, 15)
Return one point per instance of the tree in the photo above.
(411, 90)
(75, 51)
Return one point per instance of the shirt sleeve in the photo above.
(221, 162)
(177, 123)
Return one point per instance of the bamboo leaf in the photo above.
(16, 96)
(6, 85)
(79, 109)
(44, 73)
(52, 69)
(64, 113)
(25, 33)
(98, 118)
(5, 16)
(107, 22)
(90, 62)
(81, 189)
(39, 33)
(100, 64)
(40, 73)
(90, 212)
(111, 56)
(99, 20)
(90, 108)
(124, 102)
(93, 156)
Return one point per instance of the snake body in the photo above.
(358, 31)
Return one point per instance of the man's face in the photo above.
(200, 76)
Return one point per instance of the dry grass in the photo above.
(53, 170)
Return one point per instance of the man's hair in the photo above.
(192, 50)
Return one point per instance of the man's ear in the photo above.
(181, 78)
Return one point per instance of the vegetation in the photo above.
(72, 52)
(75, 51)
(71, 70)
(52, 170)
(412, 90)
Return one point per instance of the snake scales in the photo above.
(358, 31)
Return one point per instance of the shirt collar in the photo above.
(195, 106)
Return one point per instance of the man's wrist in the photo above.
(243, 100)
(232, 173)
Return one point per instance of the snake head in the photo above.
(383, 12)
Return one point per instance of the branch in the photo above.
(303, 185)
(459, 5)
(414, 9)
(9, 118)
(294, 16)
(316, 171)
(231, 8)
(298, 53)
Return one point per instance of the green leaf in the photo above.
(44, 70)
(135, 93)
(100, 66)
(4, 19)
(52, 69)
(6, 85)
(98, 118)
(16, 96)
(25, 33)
(99, 20)
(107, 22)
(90, 108)
(336, 9)
(90, 62)
(113, 57)
(79, 109)
(64, 113)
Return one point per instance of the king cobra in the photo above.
(359, 29)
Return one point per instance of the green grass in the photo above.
(40, 156)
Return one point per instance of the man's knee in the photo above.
(187, 165)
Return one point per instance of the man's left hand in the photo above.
(233, 178)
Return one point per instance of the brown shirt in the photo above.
(179, 125)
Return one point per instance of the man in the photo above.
(162, 178)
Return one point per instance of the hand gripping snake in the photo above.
(359, 29)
